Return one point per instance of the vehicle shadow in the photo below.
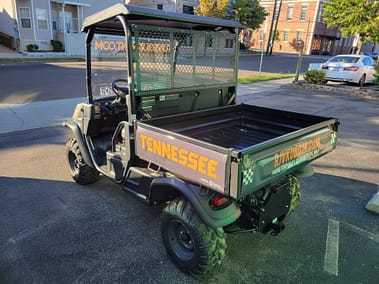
(57, 135)
(61, 232)
(297, 254)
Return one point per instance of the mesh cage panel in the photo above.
(168, 59)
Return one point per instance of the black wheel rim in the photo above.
(74, 163)
(181, 240)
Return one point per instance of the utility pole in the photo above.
(273, 37)
(271, 27)
(300, 58)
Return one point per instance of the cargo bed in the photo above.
(252, 143)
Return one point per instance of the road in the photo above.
(55, 231)
(54, 81)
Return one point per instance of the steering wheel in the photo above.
(121, 91)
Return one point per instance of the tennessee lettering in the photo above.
(296, 151)
(181, 156)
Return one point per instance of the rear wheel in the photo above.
(362, 80)
(193, 246)
(80, 171)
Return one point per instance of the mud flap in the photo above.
(79, 137)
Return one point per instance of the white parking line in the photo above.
(332, 247)
(363, 233)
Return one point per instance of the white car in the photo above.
(350, 68)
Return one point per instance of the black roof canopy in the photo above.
(107, 22)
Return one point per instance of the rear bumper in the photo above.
(342, 77)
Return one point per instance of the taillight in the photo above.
(353, 68)
(218, 201)
(324, 67)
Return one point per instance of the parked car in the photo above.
(350, 68)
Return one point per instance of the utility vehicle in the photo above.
(161, 120)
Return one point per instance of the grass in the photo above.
(43, 59)
(263, 77)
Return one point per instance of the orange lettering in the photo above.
(212, 164)
(143, 139)
(149, 144)
(174, 153)
(192, 160)
(166, 150)
(183, 156)
(157, 147)
(201, 165)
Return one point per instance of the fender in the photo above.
(199, 198)
(79, 137)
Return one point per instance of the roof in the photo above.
(106, 20)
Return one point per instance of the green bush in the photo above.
(314, 76)
(57, 45)
(377, 73)
(32, 47)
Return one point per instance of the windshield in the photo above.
(168, 59)
(345, 59)
(108, 63)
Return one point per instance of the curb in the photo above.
(365, 93)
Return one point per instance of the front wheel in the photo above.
(362, 80)
(80, 171)
(193, 246)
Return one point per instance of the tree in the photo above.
(354, 17)
(213, 8)
(248, 12)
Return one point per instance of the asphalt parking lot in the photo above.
(55, 231)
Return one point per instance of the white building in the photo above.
(24, 22)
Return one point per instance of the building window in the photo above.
(188, 10)
(209, 42)
(41, 15)
(160, 6)
(261, 35)
(286, 35)
(289, 13)
(299, 34)
(276, 11)
(319, 15)
(229, 43)
(25, 18)
(303, 13)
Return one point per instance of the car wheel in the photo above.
(362, 80)
(80, 171)
(193, 246)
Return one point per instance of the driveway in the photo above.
(55, 231)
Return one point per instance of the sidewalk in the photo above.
(6, 53)
(20, 117)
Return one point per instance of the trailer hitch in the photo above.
(275, 229)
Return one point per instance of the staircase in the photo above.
(4, 49)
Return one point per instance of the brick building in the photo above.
(299, 24)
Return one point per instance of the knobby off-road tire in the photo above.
(193, 246)
(80, 171)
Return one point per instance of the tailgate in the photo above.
(268, 161)
(194, 160)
